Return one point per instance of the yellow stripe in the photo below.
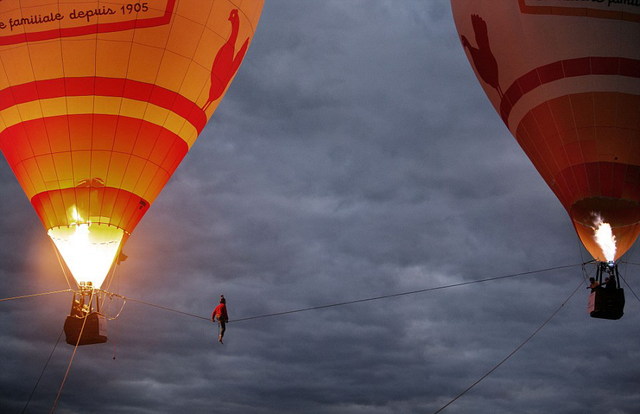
(103, 105)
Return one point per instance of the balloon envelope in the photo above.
(100, 101)
(564, 76)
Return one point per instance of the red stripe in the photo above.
(565, 69)
(91, 28)
(122, 208)
(98, 132)
(99, 86)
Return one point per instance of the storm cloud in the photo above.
(354, 156)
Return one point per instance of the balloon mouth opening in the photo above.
(88, 250)
(607, 227)
(616, 212)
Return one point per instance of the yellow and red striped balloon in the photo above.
(101, 100)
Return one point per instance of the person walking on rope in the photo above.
(220, 315)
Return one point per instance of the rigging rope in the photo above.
(393, 295)
(332, 305)
(42, 373)
(161, 307)
(112, 275)
(412, 292)
(630, 288)
(268, 315)
(111, 318)
(63, 265)
(66, 374)
(36, 294)
(512, 353)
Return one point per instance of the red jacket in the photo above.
(220, 312)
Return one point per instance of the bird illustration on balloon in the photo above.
(483, 59)
(226, 62)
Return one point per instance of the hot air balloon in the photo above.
(99, 103)
(564, 76)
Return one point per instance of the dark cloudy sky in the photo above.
(354, 156)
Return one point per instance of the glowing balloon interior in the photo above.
(99, 103)
(88, 249)
(564, 76)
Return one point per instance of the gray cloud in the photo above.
(354, 156)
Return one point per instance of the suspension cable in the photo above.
(393, 295)
(627, 283)
(111, 318)
(351, 302)
(112, 275)
(412, 292)
(62, 264)
(73, 354)
(42, 373)
(512, 353)
(36, 294)
(630, 288)
(161, 307)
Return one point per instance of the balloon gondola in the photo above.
(86, 324)
(100, 102)
(607, 302)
